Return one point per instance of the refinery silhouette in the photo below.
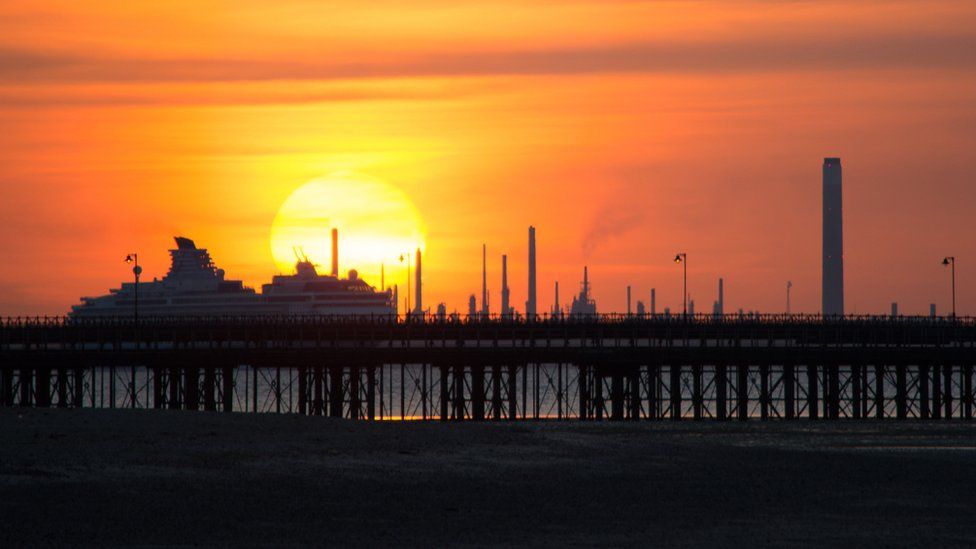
(194, 286)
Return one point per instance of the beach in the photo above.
(157, 477)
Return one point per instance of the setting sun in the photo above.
(377, 224)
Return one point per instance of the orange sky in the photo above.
(624, 131)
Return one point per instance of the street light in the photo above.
(407, 311)
(950, 261)
(136, 270)
(789, 285)
(683, 259)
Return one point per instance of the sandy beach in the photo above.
(124, 477)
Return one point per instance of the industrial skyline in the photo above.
(832, 272)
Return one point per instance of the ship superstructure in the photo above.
(194, 286)
(583, 304)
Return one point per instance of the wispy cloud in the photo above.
(759, 54)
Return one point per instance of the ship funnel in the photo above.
(335, 252)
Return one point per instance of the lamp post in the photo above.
(407, 299)
(789, 285)
(683, 259)
(136, 270)
(950, 261)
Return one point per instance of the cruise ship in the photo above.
(194, 286)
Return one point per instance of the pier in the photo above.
(608, 367)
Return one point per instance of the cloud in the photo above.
(751, 54)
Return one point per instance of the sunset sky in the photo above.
(623, 131)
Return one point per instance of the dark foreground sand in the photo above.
(157, 477)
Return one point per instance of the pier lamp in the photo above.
(136, 270)
(789, 286)
(407, 298)
(683, 259)
(950, 261)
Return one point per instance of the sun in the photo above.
(377, 224)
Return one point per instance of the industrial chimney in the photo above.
(506, 312)
(484, 280)
(420, 304)
(335, 252)
(531, 309)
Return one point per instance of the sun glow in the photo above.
(377, 224)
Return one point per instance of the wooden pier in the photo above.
(612, 367)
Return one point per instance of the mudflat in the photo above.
(131, 477)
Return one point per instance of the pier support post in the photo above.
(42, 387)
(228, 383)
(209, 389)
(512, 393)
(742, 390)
(371, 392)
(789, 391)
(813, 400)
(599, 402)
(721, 385)
(78, 394)
(444, 392)
(335, 393)
(6, 386)
(947, 390)
(833, 391)
(697, 396)
(653, 374)
(496, 392)
(879, 391)
(901, 392)
(62, 387)
(584, 393)
(478, 392)
(764, 397)
(191, 379)
(936, 391)
(634, 392)
(675, 387)
(355, 400)
(26, 384)
(174, 388)
(458, 400)
(616, 395)
(856, 396)
(923, 391)
(158, 393)
(967, 389)
(303, 390)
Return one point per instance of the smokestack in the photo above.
(472, 307)
(419, 307)
(628, 300)
(721, 297)
(555, 307)
(531, 309)
(505, 293)
(833, 239)
(335, 252)
(653, 302)
(894, 309)
(484, 279)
